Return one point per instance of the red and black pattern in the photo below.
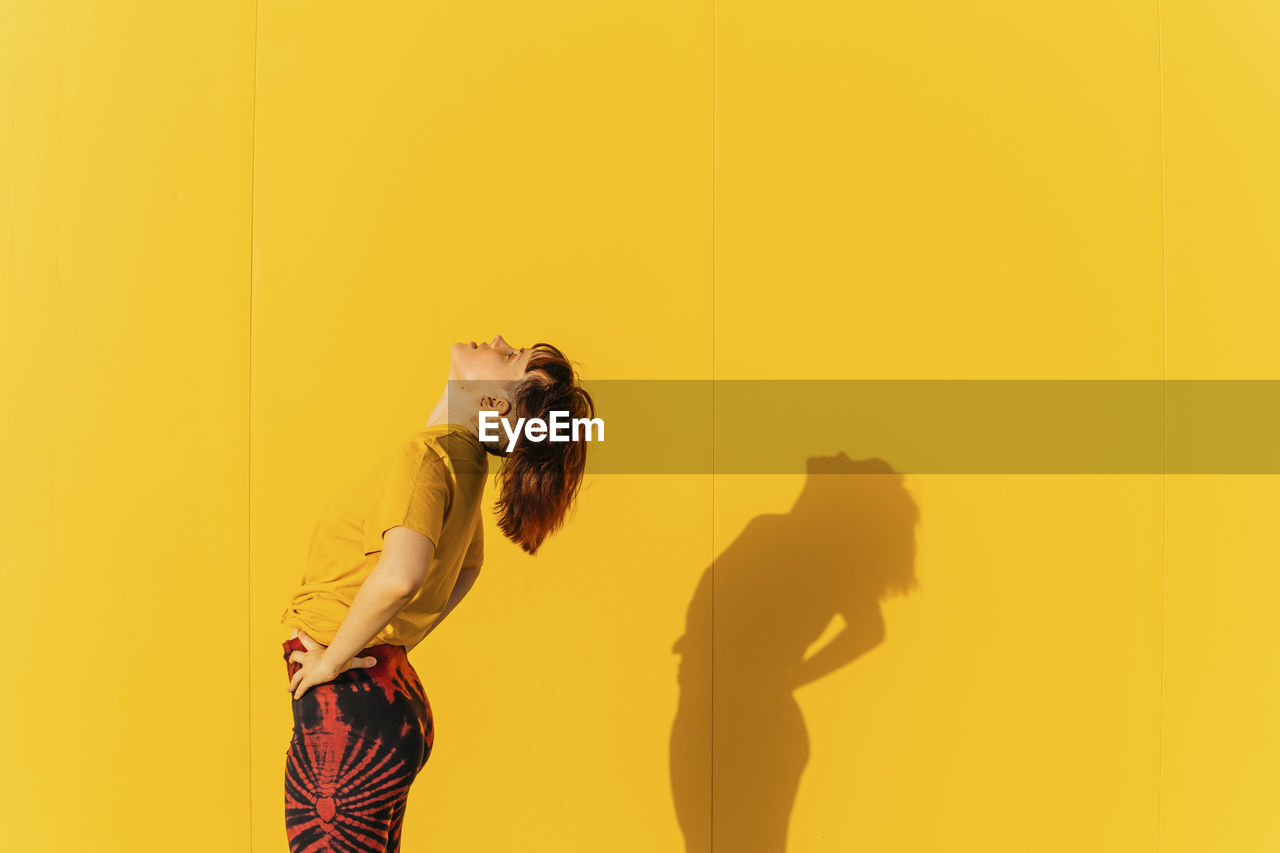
(358, 743)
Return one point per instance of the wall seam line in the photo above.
(1164, 384)
(253, 150)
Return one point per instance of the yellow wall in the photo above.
(968, 193)
(240, 237)
(1221, 752)
(124, 581)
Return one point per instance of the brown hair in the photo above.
(539, 480)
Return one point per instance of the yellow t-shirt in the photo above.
(432, 482)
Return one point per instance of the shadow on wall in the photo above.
(847, 543)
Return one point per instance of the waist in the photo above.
(390, 659)
(381, 651)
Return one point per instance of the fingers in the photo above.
(360, 663)
(301, 681)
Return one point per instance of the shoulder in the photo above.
(439, 453)
(418, 459)
(461, 450)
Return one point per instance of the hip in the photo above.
(387, 697)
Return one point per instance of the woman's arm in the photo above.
(395, 579)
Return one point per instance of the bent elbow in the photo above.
(404, 592)
(397, 587)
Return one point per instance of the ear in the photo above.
(496, 402)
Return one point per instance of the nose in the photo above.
(497, 340)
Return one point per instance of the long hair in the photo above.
(539, 480)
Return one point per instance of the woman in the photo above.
(387, 564)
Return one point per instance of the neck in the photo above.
(441, 414)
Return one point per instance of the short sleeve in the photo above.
(413, 490)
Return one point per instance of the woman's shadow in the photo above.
(738, 743)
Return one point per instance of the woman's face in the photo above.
(495, 359)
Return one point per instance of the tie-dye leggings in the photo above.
(358, 743)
